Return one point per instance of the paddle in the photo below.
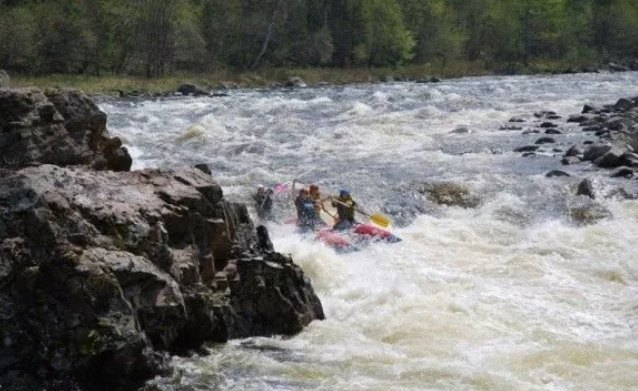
(281, 187)
(376, 218)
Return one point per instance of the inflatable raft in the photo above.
(356, 237)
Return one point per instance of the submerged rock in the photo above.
(450, 194)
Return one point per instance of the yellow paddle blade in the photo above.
(380, 220)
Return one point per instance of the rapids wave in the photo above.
(507, 294)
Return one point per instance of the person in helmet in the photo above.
(345, 210)
(315, 194)
(263, 202)
(307, 218)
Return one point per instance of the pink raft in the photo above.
(353, 238)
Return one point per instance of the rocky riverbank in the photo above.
(105, 272)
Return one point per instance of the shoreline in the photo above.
(281, 77)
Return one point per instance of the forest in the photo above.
(156, 37)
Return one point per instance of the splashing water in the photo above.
(508, 293)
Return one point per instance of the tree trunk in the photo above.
(264, 47)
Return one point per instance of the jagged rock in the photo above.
(595, 151)
(586, 188)
(101, 272)
(622, 172)
(623, 104)
(613, 158)
(63, 127)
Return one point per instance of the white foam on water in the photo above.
(508, 294)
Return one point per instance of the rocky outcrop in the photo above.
(58, 127)
(616, 126)
(103, 274)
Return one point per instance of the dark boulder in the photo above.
(63, 127)
(192, 89)
(622, 172)
(595, 151)
(545, 140)
(101, 273)
(586, 188)
(556, 173)
(527, 148)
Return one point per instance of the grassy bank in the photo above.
(268, 76)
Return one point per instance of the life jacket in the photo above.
(345, 212)
(308, 216)
(316, 198)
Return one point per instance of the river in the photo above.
(507, 294)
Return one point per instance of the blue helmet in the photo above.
(344, 193)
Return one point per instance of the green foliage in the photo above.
(156, 37)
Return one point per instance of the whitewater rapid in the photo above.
(509, 294)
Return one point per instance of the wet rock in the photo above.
(574, 150)
(616, 123)
(517, 119)
(579, 118)
(527, 148)
(63, 127)
(622, 172)
(102, 272)
(589, 213)
(192, 89)
(531, 131)
(592, 128)
(203, 167)
(295, 81)
(511, 127)
(569, 160)
(450, 194)
(613, 158)
(556, 173)
(623, 104)
(548, 125)
(425, 80)
(586, 188)
(545, 114)
(528, 154)
(553, 131)
(595, 151)
(545, 140)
